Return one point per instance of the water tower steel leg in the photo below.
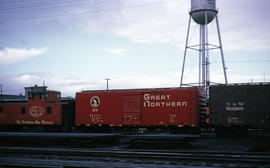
(183, 66)
(207, 77)
(207, 50)
(221, 51)
(203, 56)
(200, 57)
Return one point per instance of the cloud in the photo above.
(116, 51)
(241, 28)
(245, 40)
(69, 85)
(14, 55)
(145, 24)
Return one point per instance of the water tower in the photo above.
(203, 12)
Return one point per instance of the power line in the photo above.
(177, 67)
(29, 2)
(51, 4)
(86, 12)
(248, 61)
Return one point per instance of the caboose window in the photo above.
(41, 96)
(1, 110)
(23, 110)
(49, 110)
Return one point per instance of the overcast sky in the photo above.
(75, 45)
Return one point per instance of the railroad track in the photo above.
(65, 157)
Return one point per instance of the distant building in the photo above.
(4, 97)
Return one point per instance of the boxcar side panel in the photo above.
(141, 107)
(246, 105)
(98, 108)
(177, 107)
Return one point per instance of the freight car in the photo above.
(41, 109)
(172, 107)
(235, 108)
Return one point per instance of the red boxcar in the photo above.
(138, 107)
(41, 107)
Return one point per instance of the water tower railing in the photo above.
(193, 47)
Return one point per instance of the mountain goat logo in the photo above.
(94, 101)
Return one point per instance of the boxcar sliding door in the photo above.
(131, 109)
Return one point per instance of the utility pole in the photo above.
(1, 91)
(107, 79)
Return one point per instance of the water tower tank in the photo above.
(198, 9)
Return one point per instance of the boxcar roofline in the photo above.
(115, 90)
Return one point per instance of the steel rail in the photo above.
(218, 156)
